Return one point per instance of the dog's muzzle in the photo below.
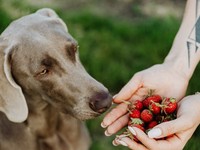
(100, 102)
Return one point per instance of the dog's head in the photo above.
(38, 54)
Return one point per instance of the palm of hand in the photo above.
(164, 80)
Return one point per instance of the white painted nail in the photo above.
(122, 143)
(107, 133)
(132, 130)
(114, 96)
(103, 125)
(154, 133)
(114, 143)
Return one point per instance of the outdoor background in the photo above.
(117, 38)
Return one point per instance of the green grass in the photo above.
(112, 50)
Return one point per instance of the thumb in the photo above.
(128, 90)
(168, 128)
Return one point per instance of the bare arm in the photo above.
(185, 53)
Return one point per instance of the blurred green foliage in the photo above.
(5, 20)
(112, 50)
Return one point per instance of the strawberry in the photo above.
(146, 115)
(145, 103)
(152, 124)
(169, 105)
(155, 108)
(138, 105)
(135, 113)
(154, 98)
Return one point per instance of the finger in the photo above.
(169, 128)
(114, 114)
(140, 94)
(125, 141)
(155, 144)
(142, 137)
(128, 90)
(117, 125)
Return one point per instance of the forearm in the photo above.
(185, 52)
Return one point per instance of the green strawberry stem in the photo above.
(126, 102)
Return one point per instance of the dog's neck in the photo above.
(43, 118)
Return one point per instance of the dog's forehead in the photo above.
(34, 26)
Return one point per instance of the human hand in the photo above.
(163, 78)
(167, 81)
(181, 128)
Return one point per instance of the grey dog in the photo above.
(45, 92)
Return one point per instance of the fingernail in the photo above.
(154, 133)
(114, 143)
(103, 125)
(122, 143)
(114, 96)
(107, 133)
(132, 130)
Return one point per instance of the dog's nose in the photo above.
(100, 102)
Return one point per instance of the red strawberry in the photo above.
(155, 108)
(146, 115)
(154, 98)
(138, 104)
(152, 124)
(145, 103)
(169, 105)
(135, 113)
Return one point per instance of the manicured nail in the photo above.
(132, 130)
(154, 133)
(114, 96)
(103, 125)
(122, 142)
(107, 133)
(114, 143)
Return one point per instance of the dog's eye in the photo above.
(43, 72)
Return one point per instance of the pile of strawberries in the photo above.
(147, 113)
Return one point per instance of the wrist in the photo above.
(180, 58)
(179, 64)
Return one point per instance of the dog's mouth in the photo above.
(80, 113)
(85, 115)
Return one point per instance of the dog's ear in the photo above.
(47, 12)
(12, 100)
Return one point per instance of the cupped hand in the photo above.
(166, 81)
(180, 129)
